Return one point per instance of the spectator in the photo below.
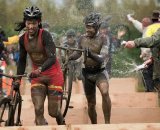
(71, 42)
(3, 56)
(152, 41)
(145, 52)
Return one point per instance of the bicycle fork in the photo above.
(13, 117)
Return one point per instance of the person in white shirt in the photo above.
(145, 52)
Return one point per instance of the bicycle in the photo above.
(11, 105)
(67, 69)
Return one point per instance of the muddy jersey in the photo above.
(35, 49)
(42, 53)
(98, 45)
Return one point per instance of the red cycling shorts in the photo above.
(52, 77)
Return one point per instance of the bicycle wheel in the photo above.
(67, 90)
(17, 101)
(15, 111)
(4, 110)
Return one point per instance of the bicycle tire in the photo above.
(14, 116)
(4, 110)
(9, 121)
(67, 90)
(17, 106)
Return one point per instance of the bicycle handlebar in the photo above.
(13, 76)
(68, 48)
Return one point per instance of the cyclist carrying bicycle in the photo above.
(46, 75)
(94, 72)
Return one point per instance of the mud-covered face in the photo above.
(70, 39)
(103, 31)
(90, 31)
(32, 26)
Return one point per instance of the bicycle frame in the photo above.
(11, 106)
(67, 87)
(67, 69)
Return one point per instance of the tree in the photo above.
(3, 12)
(85, 6)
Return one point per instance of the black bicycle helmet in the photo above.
(71, 32)
(104, 25)
(93, 19)
(29, 13)
(155, 15)
(32, 12)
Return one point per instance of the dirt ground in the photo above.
(128, 106)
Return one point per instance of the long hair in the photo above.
(21, 25)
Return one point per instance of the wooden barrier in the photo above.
(133, 126)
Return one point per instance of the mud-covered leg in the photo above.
(54, 102)
(90, 92)
(38, 94)
(91, 99)
(106, 102)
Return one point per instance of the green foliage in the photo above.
(71, 14)
(84, 6)
(62, 29)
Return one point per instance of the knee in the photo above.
(105, 93)
(91, 99)
(104, 89)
